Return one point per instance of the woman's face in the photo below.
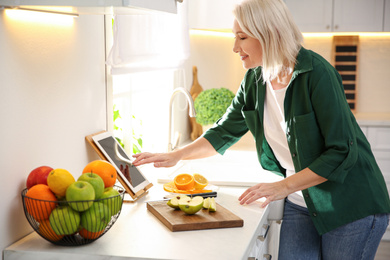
(247, 47)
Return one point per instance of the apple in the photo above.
(111, 199)
(64, 220)
(174, 202)
(38, 176)
(191, 205)
(96, 218)
(96, 181)
(80, 191)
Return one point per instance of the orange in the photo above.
(184, 181)
(104, 169)
(200, 181)
(40, 201)
(47, 231)
(90, 235)
(59, 180)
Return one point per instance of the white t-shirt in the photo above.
(275, 134)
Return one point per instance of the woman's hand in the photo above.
(270, 191)
(200, 148)
(281, 189)
(158, 159)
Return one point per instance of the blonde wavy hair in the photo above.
(271, 23)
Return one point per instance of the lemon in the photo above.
(59, 180)
(200, 181)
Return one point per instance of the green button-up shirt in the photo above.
(322, 134)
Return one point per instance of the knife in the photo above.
(204, 195)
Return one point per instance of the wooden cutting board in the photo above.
(177, 220)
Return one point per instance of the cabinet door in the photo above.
(211, 14)
(358, 15)
(387, 16)
(311, 15)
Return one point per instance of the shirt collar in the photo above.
(303, 63)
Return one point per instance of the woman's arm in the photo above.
(281, 189)
(198, 149)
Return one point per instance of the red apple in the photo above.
(38, 176)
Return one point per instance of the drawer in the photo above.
(379, 138)
(260, 245)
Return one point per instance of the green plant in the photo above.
(211, 104)
(136, 135)
(116, 127)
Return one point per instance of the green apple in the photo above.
(213, 205)
(96, 218)
(80, 191)
(64, 220)
(95, 180)
(174, 202)
(191, 205)
(112, 200)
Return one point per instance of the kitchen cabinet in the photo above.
(310, 15)
(96, 6)
(211, 14)
(338, 15)
(266, 245)
(386, 23)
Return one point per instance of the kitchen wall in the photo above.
(52, 94)
(219, 67)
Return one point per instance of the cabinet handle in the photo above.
(336, 27)
(263, 237)
(267, 256)
(180, 1)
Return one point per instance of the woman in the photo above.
(292, 100)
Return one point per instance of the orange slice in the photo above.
(184, 181)
(200, 181)
(170, 187)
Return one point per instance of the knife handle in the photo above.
(204, 195)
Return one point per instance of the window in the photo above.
(142, 99)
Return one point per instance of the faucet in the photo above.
(191, 112)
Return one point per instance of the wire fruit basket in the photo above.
(73, 223)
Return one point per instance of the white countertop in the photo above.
(138, 234)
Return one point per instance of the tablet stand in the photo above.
(134, 196)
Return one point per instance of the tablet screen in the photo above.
(128, 170)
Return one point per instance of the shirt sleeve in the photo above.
(231, 126)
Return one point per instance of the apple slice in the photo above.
(174, 202)
(206, 203)
(213, 205)
(191, 205)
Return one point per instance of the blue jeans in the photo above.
(299, 239)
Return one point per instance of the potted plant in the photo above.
(211, 104)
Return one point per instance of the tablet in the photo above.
(114, 152)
